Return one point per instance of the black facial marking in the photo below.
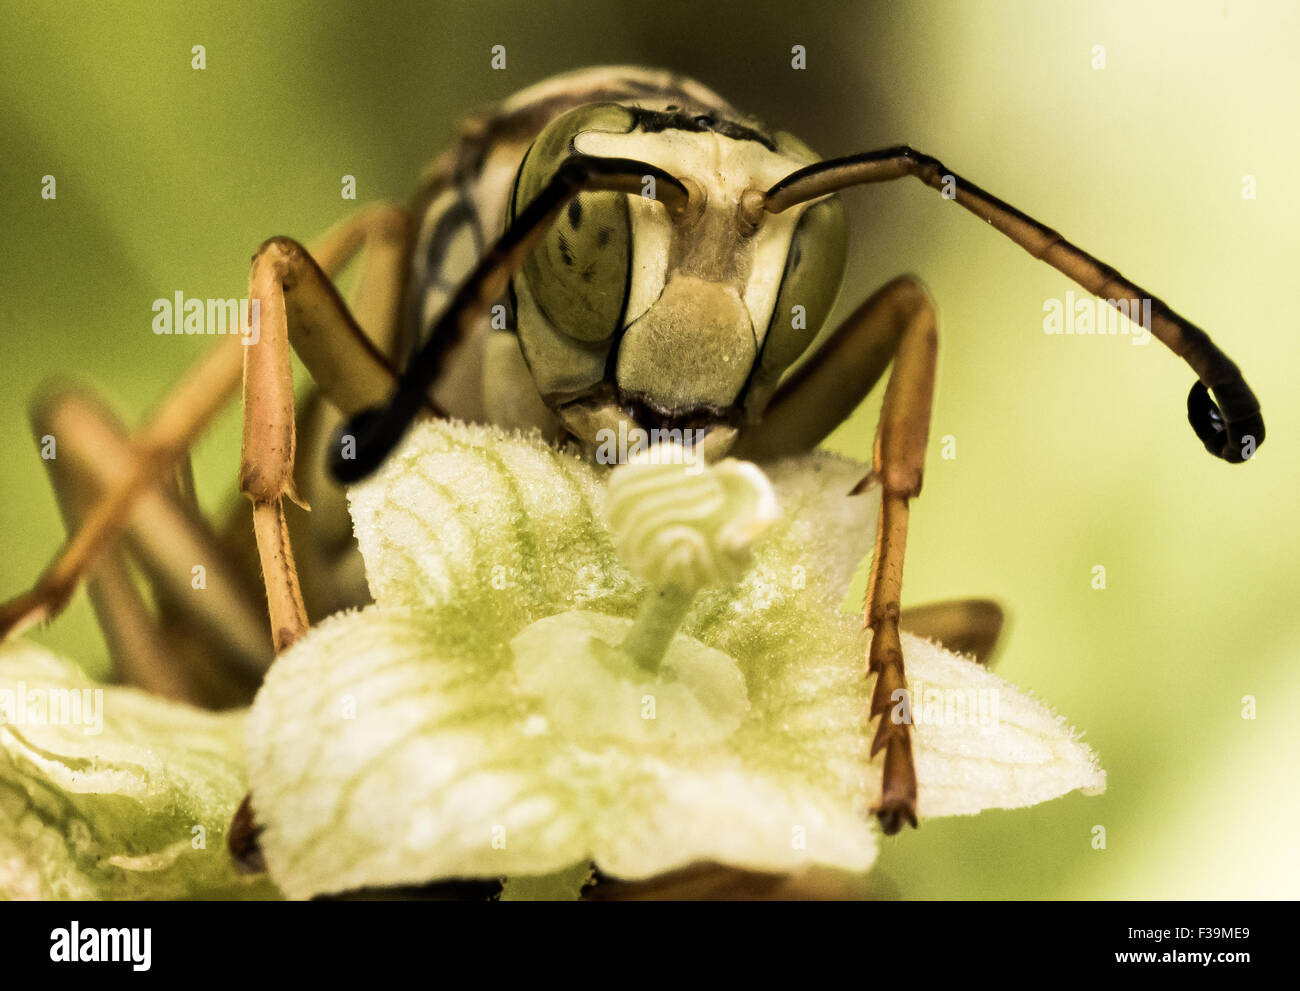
(457, 217)
(575, 213)
(652, 121)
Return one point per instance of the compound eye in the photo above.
(813, 270)
(579, 272)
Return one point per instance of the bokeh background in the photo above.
(1071, 452)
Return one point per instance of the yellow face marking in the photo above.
(723, 169)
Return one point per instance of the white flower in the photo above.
(485, 719)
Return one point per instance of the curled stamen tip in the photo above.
(676, 521)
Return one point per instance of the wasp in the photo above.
(613, 249)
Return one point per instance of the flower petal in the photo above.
(982, 743)
(108, 792)
(386, 750)
(464, 513)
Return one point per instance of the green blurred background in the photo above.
(1071, 452)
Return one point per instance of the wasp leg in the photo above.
(204, 390)
(330, 569)
(331, 573)
(964, 626)
(826, 388)
(897, 323)
(208, 644)
(898, 464)
(156, 450)
(1230, 429)
(299, 309)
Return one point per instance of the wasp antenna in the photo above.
(1234, 438)
(370, 436)
(1231, 428)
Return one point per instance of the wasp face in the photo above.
(632, 316)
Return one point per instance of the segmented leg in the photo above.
(896, 324)
(223, 661)
(898, 464)
(300, 309)
(350, 368)
(826, 388)
(964, 626)
(156, 450)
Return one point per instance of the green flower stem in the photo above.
(657, 622)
